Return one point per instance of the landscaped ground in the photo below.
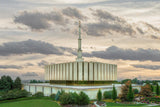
(30, 103)
(124, 105)
(50, 103)
(129, 105)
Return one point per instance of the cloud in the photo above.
(152, 67)
(28, 47)
(140, 54)
(30, 74)
(154, 37)
(152, 27)
(103, 22)
(29, 64)
(73, 13)
(102, 28)
(108, 23)
(140, 30)
(10, 67)
(42, 63)
(107, 16)
(39, 20)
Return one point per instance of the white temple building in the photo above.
(80, 70)
(78, 76)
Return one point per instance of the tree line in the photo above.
(6, 83)
(140, 82)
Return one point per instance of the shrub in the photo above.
(53, 96)
(69, 98)
(152, 99)
(65, 98)
(74, 97)
(135, 91)
(83, 99)
(39, 94)
(107, 95)
(23, 93)
(109, 100)
(14, 94)
(118, 100)
(99, 95)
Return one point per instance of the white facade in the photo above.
(81, 71)
(91, 91)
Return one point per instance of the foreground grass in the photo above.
(31, 103)
(124, 105)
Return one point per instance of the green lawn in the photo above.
(31, 103)
(124, 105)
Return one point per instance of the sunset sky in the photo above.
(34, 33)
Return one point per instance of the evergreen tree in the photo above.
(157, 89)
(99, 95)
(6, 83)
(152, 88)
(10, 82)
(114, 93)
(130, 95)
(57, 96)
(17, 83)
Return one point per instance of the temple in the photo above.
(80, 71)
(78, 76)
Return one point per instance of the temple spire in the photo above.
(79, 55)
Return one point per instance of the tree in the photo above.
(10, 82)
(114, 93)
(99, 95)
(135, 81)
(57, 95)
(17, 83)
(157, 89)
(146, 90)
(152, 88)
(124, 91)
(130, 95)
(6, 83)
(125, 80)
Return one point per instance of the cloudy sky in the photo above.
(38, 32)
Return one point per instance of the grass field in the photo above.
(31, 103)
